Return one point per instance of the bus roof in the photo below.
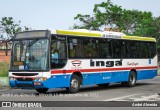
(103, 34)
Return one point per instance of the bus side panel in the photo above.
(57, 81)
(146, 74)
(105, 77)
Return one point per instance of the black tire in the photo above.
(42, 90)
(74, 84)
(131, 80)
(124, 84)
(103, 85)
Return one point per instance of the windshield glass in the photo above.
(30, 55)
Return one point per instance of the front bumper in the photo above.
(26, 84)
(60, 81)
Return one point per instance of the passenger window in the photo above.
(151, 49)
(118, 49)
(142, 50)
(105, 48)
(90, 48)
(76, 49)
(131, 50)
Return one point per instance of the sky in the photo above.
(59, 14)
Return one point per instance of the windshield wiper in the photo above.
(31, 43)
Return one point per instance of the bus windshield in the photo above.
(30, 55)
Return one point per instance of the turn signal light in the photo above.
(44, 79)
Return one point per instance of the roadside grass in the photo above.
(4, 69)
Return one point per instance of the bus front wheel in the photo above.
(131, 80)
(74, 84)
(42, 90)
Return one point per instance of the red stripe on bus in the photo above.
(100, 69)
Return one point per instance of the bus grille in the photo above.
(25, 85)
(25, 74)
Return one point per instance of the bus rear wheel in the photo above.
(74, 84)
(131, 80)
(42, 90)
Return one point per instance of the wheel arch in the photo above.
(79, 74)
(134, 70)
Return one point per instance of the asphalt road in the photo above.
(145, 90)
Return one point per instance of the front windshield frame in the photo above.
(36, 39)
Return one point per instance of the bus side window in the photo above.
(151, 49)
(104, 48)
(72, 52)
(118, 49)
(142, 50)
(90, 48)
(131, 49)
(80, 49)
(76, 48)
(88, 52)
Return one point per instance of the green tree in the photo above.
(8, 27)
(108, 15)
(88, 22)
(131, 22)
(104, 15)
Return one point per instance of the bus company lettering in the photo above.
(132, 64)
(106, 63)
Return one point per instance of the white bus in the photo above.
(46, 59)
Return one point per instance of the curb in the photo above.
(4, 89)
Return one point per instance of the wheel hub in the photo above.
(132, 79)
(74, 84)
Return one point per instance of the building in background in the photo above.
(5, 50)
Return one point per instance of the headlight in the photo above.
(40, 79)
(11, 78)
